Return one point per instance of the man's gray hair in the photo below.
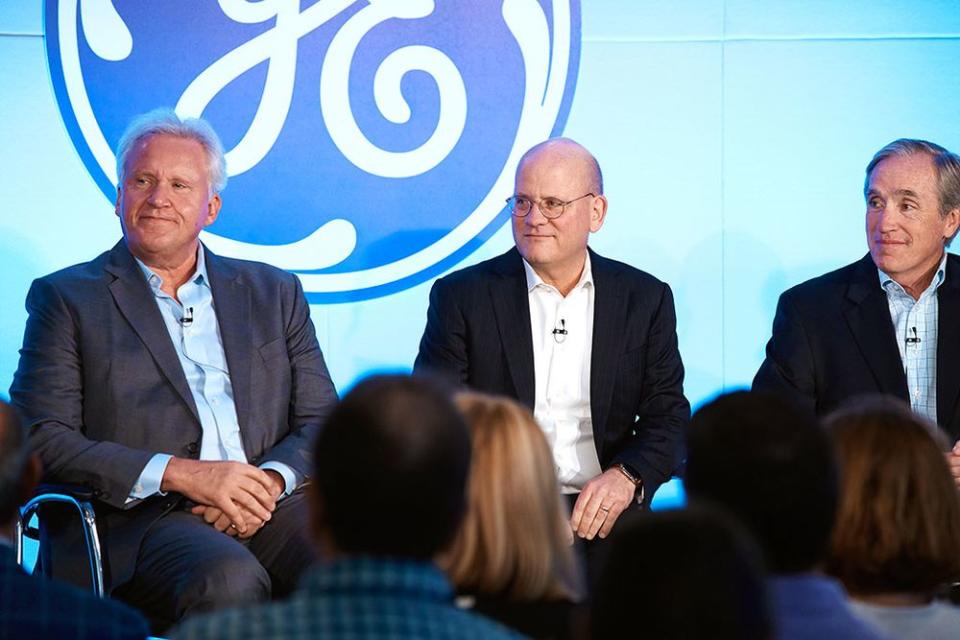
(13, 459)
(167, 122)
(945, 163)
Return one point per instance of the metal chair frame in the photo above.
(88, 522)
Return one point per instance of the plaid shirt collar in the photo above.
(395, 577)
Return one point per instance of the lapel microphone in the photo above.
(915, 339)
(560, 333)
(187, 318)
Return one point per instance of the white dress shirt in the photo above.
(916, 323)
(561, 366)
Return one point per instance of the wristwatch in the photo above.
(630, 473)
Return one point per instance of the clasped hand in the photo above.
(235, 497)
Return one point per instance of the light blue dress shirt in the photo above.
(915, 323)
(195, 333)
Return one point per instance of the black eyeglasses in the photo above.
(551, 208)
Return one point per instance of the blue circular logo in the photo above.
(370, 144)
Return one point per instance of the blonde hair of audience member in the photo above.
(898, 526)
(514, 540)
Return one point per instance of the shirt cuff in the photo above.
(289, 475)
(148, 484)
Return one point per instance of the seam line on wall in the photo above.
(791, 38)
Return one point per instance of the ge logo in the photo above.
(370, 144)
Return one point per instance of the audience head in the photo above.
(19, 471)
(514, 540)
(685, 574)
(898, 526)
(391, 466)
(767, 461)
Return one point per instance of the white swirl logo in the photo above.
(378, 194)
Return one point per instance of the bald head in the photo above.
(567, 150)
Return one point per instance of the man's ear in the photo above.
(950, 223)
(213, 210)
(116, 206)
(598, 213)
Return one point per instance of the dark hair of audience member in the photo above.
(768, 462)
(512, 543)
(898, 528)
(687, 575)
(13, 459)
(390, 468)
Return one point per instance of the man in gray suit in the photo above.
(183, 388)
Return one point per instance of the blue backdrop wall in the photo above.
(733, 136)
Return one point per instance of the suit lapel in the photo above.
(868, 316)
(136, 303)
(609, 321)
(231, 300)
(948, 344)
(511, 306)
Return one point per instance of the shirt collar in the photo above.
(534, 280)
(938, 278)
(376, 574)
(199, 275)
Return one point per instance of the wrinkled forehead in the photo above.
(915, 171)
(168, 150)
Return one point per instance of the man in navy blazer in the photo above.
(32, 607)
(184, 388)
(890, 322)
(588, 343)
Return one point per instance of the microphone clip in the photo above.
(560, 333)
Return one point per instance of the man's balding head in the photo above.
(570, 151)
(557, 204)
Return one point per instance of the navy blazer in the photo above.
(101, 388)
(833, 339)
(478, 335)
(33, 607)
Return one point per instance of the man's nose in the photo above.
(536, 217)
(885, 219)
(159, 195)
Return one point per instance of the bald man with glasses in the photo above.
(589, 344)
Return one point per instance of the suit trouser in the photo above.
(185, 566)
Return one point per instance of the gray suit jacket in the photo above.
(101, 388)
